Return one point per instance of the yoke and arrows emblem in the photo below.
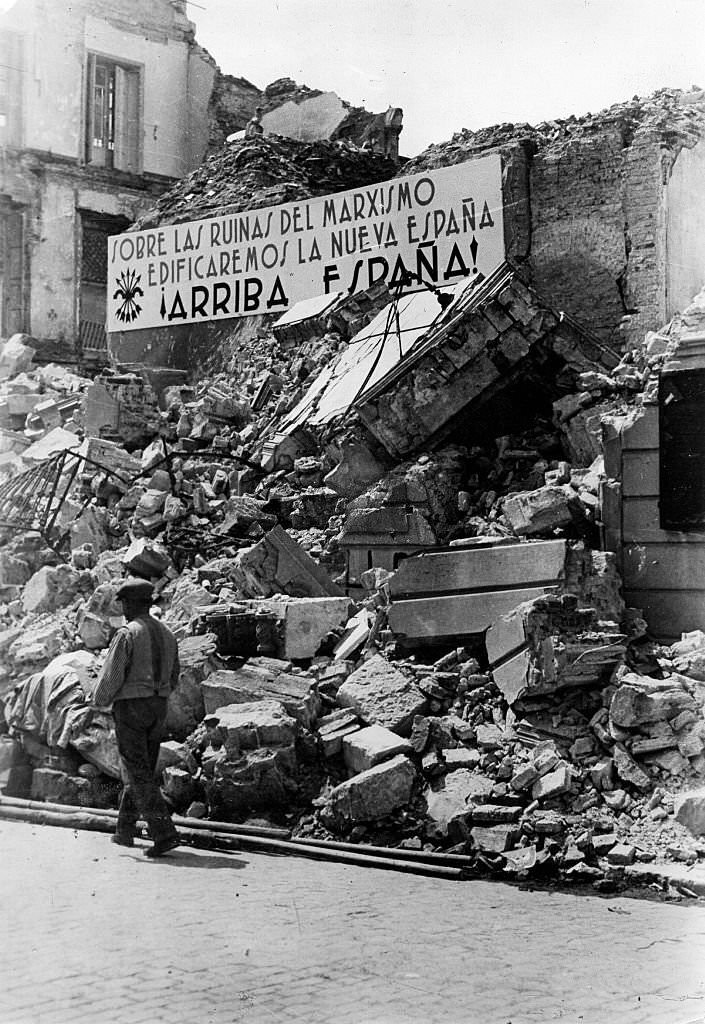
(128, 289)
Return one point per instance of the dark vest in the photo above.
(154, 650)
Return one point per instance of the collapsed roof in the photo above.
(423, 369)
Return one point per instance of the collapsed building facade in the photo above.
(104, 105)
(388, 529)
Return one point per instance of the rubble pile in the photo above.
(680, 113)
(264, 171)
(428, 653)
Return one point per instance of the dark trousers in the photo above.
(139, 726)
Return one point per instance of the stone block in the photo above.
(185, 707)
(373, 794)
(263, 679)
(495, 814)
(262, 723)
(307, 621)
(50, 588)
(368, 747)
(603, 843)
(489, 737)
(628, 770)
(523, 778)
(259, 778)
(689, 810)
(553, 784)
(173, 754)
(54, 787)
(451, 799)
(602, 774)
(532, 513)
(511, 677)
(179, 786)
(621, 854)
(381, 695)
(493, 840)
(635, 705)
(146, 558)
(460, 757)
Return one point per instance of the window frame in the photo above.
(116, 145)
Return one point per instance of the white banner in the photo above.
(433, 228)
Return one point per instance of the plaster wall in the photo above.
(312, 119)
(52, 261)
(176, 84)
(685, 229)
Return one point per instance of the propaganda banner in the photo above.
(431, 228)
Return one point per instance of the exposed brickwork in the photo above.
(597, 192)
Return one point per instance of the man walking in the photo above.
(141, 669)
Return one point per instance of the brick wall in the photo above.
(597, 188)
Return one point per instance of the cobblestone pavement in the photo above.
(96, 933)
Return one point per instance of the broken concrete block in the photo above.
(100, 617)
(179, 786)
(689, 810)
(531, 513)
(373, 794)
(357, 469)
(370, 746)
(450, 801)
(263, 679)
(16, 356)
(381, 695)
(333, 728)
(602, 774)
(512, 676)
(51, 588)
(621, 854)
(553, 784)
(603, 843)
(526, 776)
(307, 621)
(50, 786)
(357, 630)
(173, 754)
(185, 706)
(634, 705)
(495, 814)
(37, 644)
(262, 723)
(258, 778)
(493, 840)
(489, 737)
(98, 744)
(278, 565)
(460, 757)
(628, 770)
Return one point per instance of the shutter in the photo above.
(90, 108)
(127, 120)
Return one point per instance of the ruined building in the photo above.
(104, 105)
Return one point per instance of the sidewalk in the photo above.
(96, 934)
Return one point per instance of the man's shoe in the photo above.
(122, 840)
(162, 846)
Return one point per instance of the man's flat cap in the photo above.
(134, 589)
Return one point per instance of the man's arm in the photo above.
(175, 671)
(112, 674)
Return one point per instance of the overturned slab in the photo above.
(278, 565)
(464, 591)
(381, 695)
